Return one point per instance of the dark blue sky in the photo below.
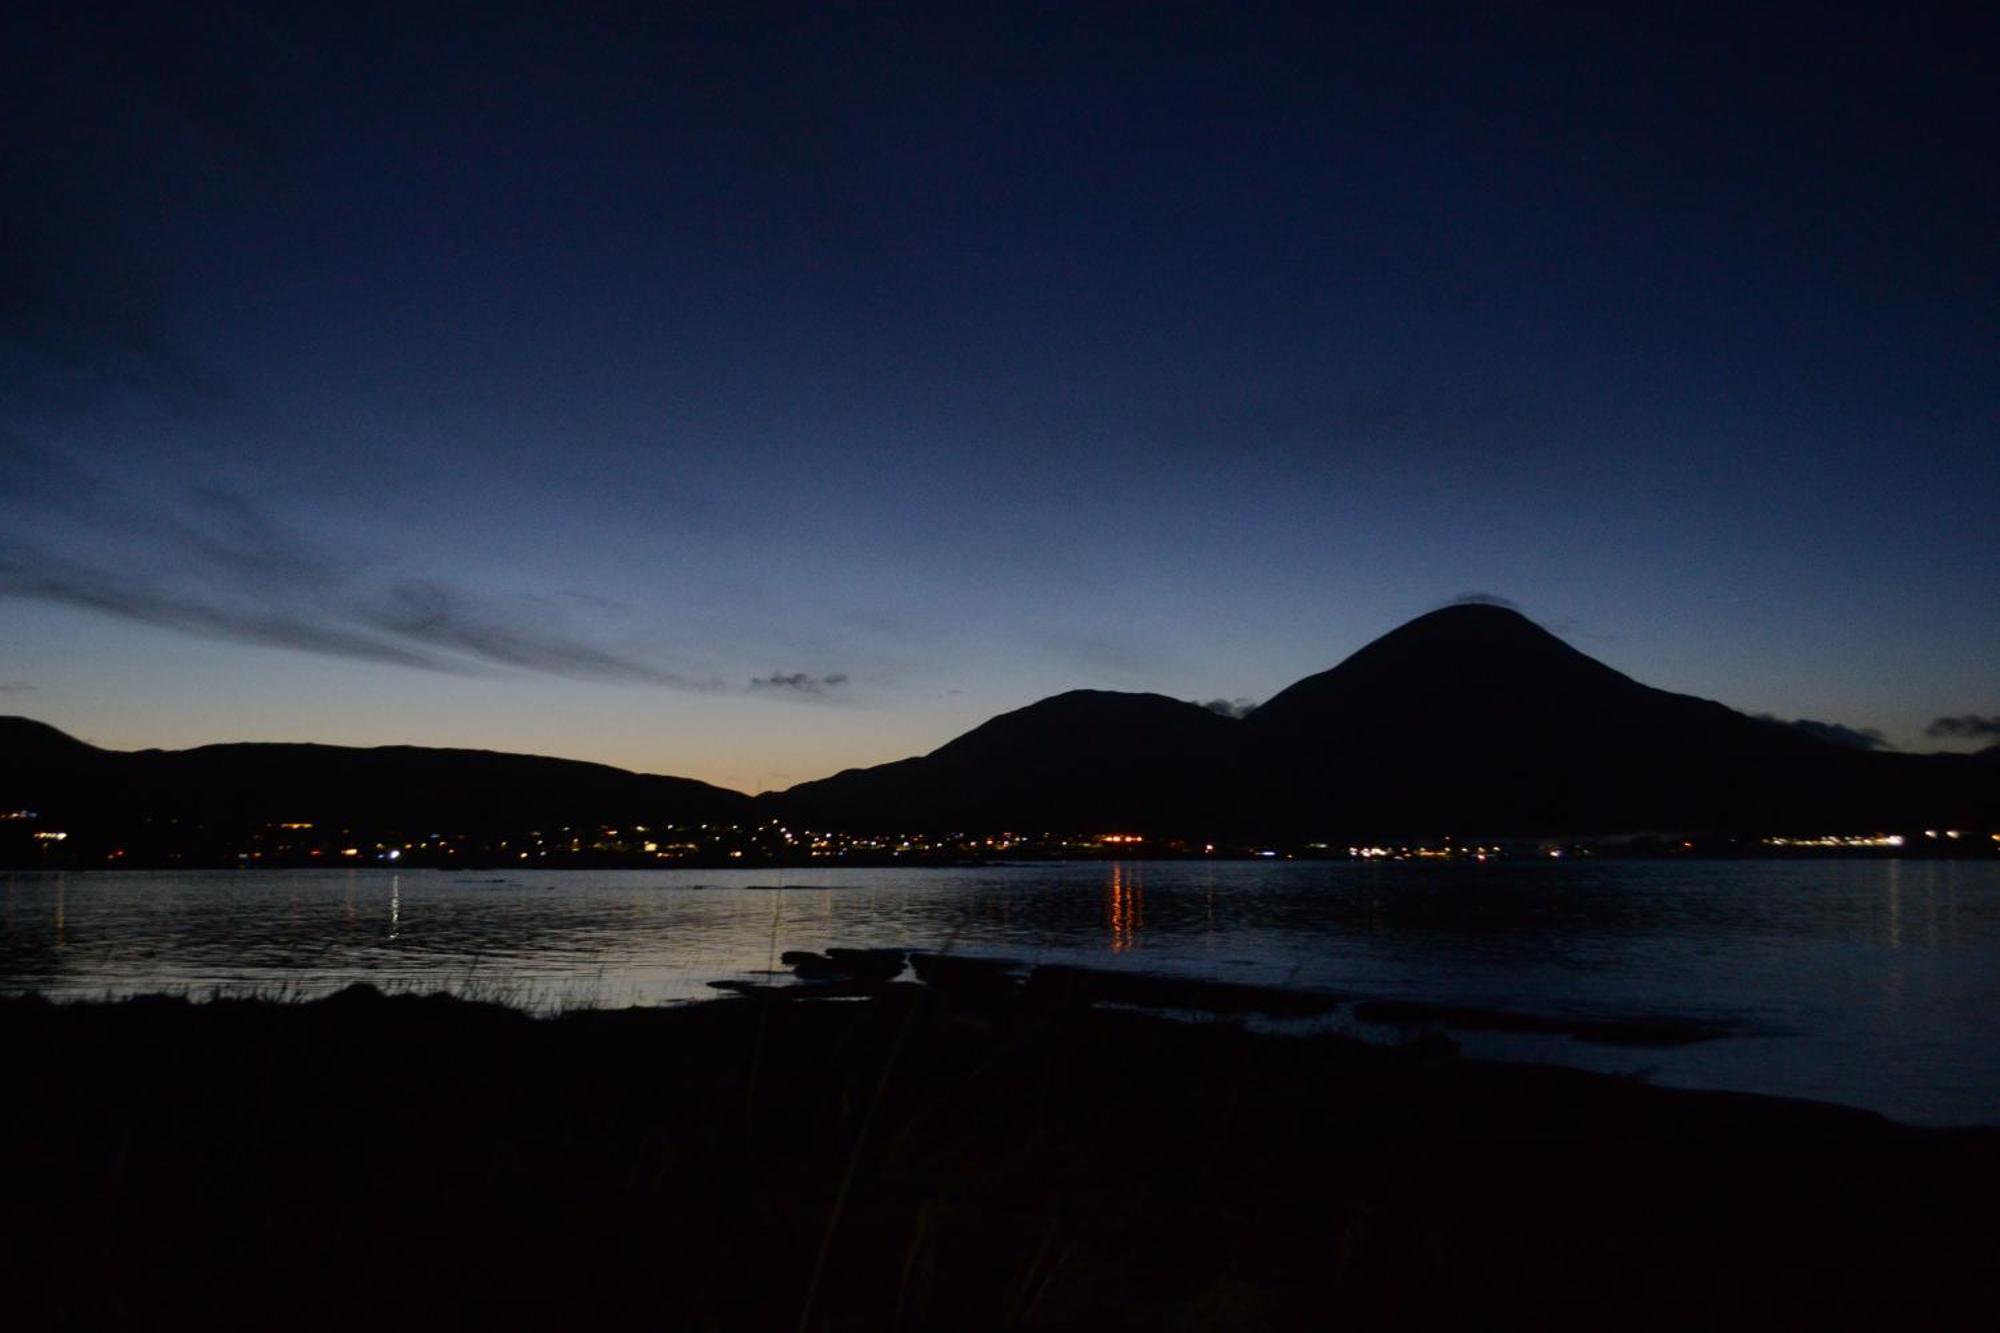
(755, 392)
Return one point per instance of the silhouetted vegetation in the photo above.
(985, 1155)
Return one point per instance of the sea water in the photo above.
(1874, 983)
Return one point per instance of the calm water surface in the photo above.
(1873, 983)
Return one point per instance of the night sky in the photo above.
(749, 393)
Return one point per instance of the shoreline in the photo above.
(897, 1155)
(1627, 1043)
(1982, 846)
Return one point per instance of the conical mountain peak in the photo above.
(1466, 656)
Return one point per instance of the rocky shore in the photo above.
(964, 1150)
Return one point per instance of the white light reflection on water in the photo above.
(1875, 983)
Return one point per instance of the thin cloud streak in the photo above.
(434, 614)
(34, 575)
(1484, 599)
(801, 683)
(219, 567)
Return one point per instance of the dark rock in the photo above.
(880, 964)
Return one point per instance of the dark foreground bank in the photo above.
(982, 1156)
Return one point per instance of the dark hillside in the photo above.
(1475, 718)
(398, 786)
(1084, 760)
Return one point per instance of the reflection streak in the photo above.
(1124, 905)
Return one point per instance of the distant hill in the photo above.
(1472, 719)
(395, 786)
(1086, 759)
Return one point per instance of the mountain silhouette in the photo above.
(393, 786)
(1085, 759)
(1474, 716)
(31, 746)
(1471, 719)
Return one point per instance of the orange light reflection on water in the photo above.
(1125, 907)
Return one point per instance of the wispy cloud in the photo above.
(213, 564)
(457, 624)
(15, 687)
(1856, 738)
(1563, 626)
(1230, 707)
(1484, 599)
(799, 683)
(1966, 727)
